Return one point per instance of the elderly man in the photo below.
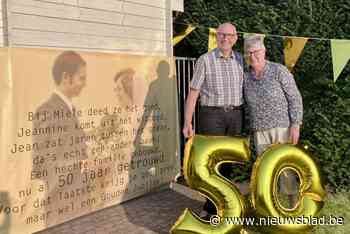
(218, 79)
(273, 100)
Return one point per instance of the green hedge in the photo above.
(326, 128)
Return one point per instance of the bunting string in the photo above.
(268, 35)
(293, 47)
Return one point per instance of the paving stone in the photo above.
(150, 214)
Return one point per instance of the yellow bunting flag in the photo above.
(340, 56)
(183, 34)
(212, 39)
(293, 46)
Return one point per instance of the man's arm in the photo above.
(189, 110)
(195, 86)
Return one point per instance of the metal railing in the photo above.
(184, 73)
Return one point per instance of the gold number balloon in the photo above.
(264, 187)
(203, 156)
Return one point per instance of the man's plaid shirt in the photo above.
(219, 79)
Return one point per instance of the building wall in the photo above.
(2, 33)
(132, 26)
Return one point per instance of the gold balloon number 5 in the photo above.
(204, 155)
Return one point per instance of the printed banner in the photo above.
(340, 56)
(293, 46)
(80, 132)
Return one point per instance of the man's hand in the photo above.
(294, 133)
(189, 110)
(188, 130)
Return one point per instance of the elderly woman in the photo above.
(273, 100)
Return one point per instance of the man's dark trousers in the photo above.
(220, 121)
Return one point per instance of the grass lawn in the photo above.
(337, 205)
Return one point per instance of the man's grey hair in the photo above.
(227, 24)
(255, 41)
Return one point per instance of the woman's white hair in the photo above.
(255, 41)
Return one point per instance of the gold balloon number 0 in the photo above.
(203, 156)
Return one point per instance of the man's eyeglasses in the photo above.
(227, 35)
